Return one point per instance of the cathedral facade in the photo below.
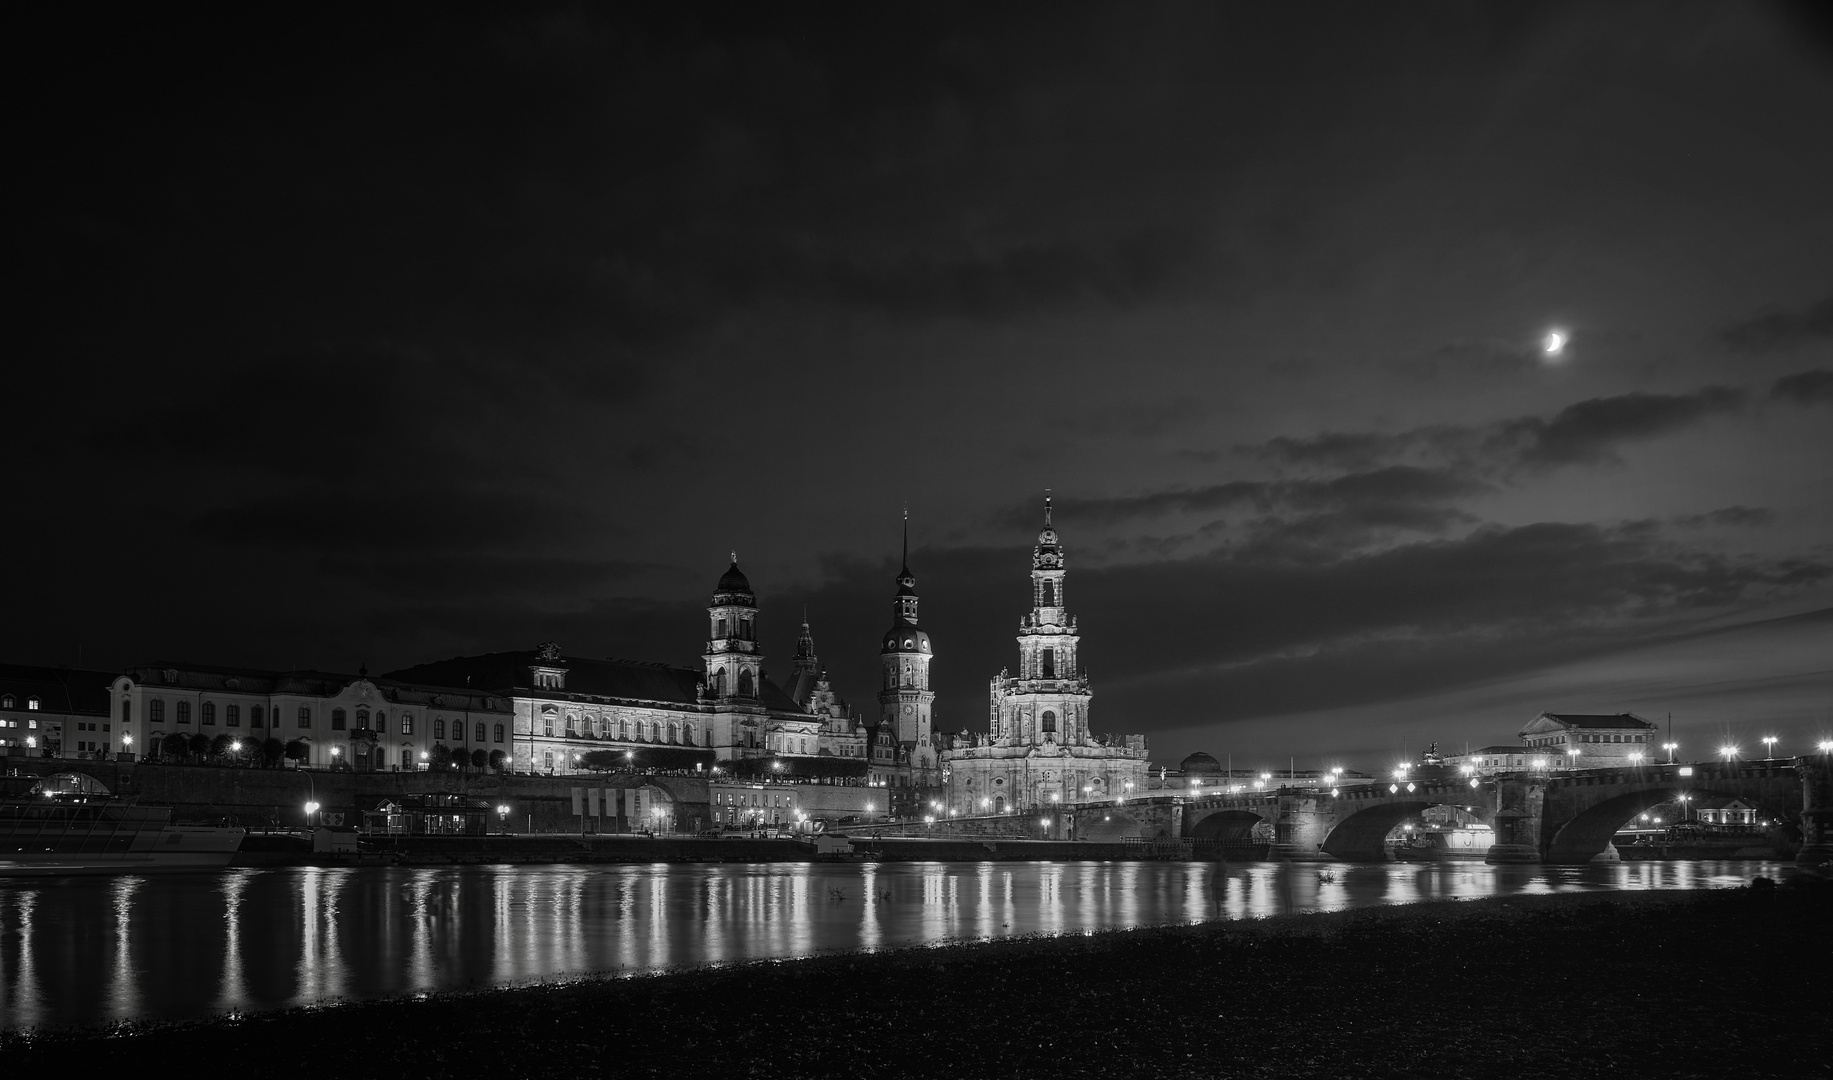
(1040, 749)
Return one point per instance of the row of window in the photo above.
(32, 704)
(232, 717)
(1587, 737)
(720, 626)
(458, 731)
(623, 730)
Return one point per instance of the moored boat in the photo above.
(69, 824)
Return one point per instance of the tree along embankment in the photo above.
(1671, 985)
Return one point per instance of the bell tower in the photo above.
(1052, 695)
(904, 696)
(734, 665)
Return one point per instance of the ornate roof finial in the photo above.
(735, 557)
(906, 541)
(1046, 508)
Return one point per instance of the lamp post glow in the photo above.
(1670, 747)
(1825, 746)
(310, 809)
(1769, 746)
(502, 816)
(1728, 753)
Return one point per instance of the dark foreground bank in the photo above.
(1716, 984)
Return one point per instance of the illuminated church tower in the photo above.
(734, 664)
(905, 701)
(1039, 751)
(1048, 701)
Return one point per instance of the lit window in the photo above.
(31, 704)
(407, 723)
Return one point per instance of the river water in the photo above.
(84, 951)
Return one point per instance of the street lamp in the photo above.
(502, 816)
(1769, 746)
(1670, 747)
(1728, 752)
(310, 809)
(1825, 746)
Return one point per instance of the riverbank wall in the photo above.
(277, 797)
(590, 848)
(1624, 986)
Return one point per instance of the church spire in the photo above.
(905, 602)
(805, 648)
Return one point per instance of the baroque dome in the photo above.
(1199, 762)
(906, 639)
(734, 580)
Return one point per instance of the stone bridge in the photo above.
(1537, 817)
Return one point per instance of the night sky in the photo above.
(385, 338)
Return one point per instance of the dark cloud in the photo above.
(1776, 330)
(1751, 517)
(1585, 433)
(1387, 486)
(1267, 629)
(1590, 431)
(1805, 387)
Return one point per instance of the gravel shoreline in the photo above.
(1673, 985)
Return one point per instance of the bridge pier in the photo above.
(1816, 854)
(1517, 826)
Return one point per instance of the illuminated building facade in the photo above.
(1041, 749)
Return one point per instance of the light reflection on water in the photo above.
(86, 951)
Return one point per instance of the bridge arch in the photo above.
(1111, 826)
(1226, 825)
(1360, 834)
(1589, 832)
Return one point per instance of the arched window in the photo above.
(439, 729)
(305, 716)
(407, 724)
(718, 684)
(207, 713)
(155, 709)
(338, 719)
(674, 732)
(1049, 721)
(499, 733)
(547, 720)
(32, 704)
(232, 716)
(745, 688)
(255, 715)
(7, 702)
(1050, 663)
(572, 724)
(184, 712)
(482, 732)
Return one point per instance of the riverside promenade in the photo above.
(1671, 985)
